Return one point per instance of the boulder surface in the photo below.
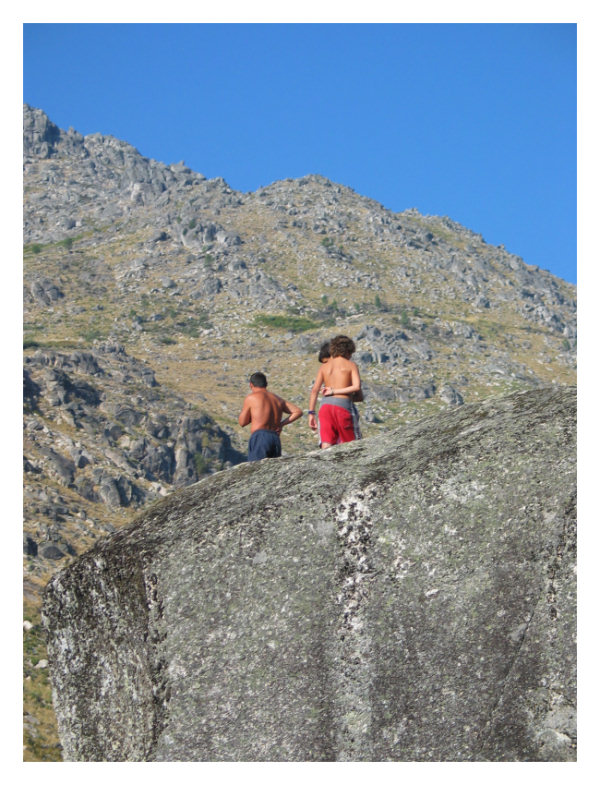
(409, 597)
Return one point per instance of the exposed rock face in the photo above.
(126, 442)
(407, 597)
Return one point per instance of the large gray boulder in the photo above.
(410, 597)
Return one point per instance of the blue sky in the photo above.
(474, 121)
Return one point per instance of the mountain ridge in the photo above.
(135, 270)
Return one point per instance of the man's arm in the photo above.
(246, 414)
(294, 411)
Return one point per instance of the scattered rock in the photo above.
(30, 547)
(45, 291)
(450, 396)
(51, 551)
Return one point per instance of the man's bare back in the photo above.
(263, 410)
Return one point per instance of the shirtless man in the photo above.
(339, 380)
(262, 410)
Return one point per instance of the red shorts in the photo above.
(336, 424)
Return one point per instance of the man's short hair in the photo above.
(342, 346)
(258, 379)
(324, 353)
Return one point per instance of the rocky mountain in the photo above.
(411, 597)
(121, 442)
(151, 293)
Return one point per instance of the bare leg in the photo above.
(325, 445)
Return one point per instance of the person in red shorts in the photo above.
(338, 380)
(325, 356)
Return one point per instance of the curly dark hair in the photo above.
(342, 346)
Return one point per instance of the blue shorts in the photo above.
(264, 444)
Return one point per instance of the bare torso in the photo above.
(337, 373)
(265, 409)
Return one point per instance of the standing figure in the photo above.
(339, 381)
(262, 410)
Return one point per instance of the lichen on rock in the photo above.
(409, 597)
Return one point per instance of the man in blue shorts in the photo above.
(262, 410)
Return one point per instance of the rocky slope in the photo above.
(118, 441)
(407, 597)
(151, 294)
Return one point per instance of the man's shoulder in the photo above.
(276, 397)
(252, 397)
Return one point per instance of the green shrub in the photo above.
(192, 324)
(295, 324)
(92, 334)
(201, 464)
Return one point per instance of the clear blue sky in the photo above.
(473, 121)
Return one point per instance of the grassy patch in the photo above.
(36, 248)
(58, 344)
(40, 732)
(170, 322)
(294, 324)
(92, 334)
(201, 464)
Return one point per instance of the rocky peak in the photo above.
(40, 135)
